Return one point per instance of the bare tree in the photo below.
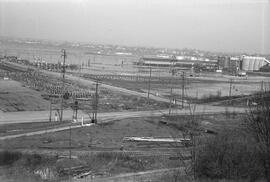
(190, 131)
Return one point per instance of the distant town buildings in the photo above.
(39, 64)
(227, 64)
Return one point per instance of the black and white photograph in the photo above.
(134, 90)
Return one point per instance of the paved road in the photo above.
(43, 116)
(31, 116)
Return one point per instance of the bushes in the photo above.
(7, 157)
(25, 160)
(239, 154)
(258, 124)
(229, 155)
(33, 160)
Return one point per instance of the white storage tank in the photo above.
(251, 63)
(245, 64)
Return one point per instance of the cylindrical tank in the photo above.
(262, 63)
(245, 64)
(256, 65)
(250, 64)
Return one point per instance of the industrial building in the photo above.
(229, 64)
(243, 63)
(183, 63)
(250, 63)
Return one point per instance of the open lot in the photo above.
(199, 87)
(31, 89)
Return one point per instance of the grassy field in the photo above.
(101, 149)
(110, 135)
(105, 138)
(15, 97)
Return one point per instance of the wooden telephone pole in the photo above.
(230, 91)
(95, 104)
(64, 55)
(183, 88)
(171, 92)
(149, 84)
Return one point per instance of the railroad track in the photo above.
(167, 154)
(11, 67)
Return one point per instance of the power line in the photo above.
(64, 55)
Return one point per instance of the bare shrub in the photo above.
(258, 124)
(229, 155)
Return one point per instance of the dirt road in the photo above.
(40, 132)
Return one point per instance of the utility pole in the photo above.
(262, 89)
(194, 153)
(262, 86)
(183, 88)
(64, 55)
(50, 118)
(76, 110)
(95, 104)
(170, 108)
(230, 92)
(171, 97)
(149, 83)
(69, 176)
(88, 64)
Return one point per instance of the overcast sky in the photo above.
(215, 25)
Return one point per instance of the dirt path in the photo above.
(133, 177)
(40, 132)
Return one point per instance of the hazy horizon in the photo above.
(220, 25)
